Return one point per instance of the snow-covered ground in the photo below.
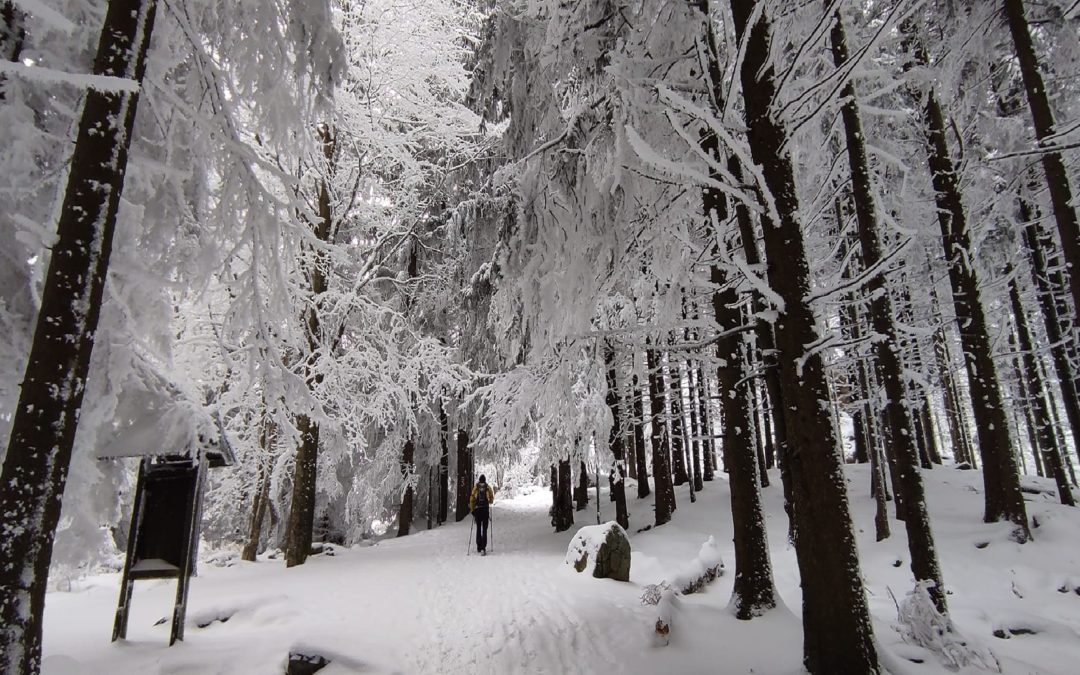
(420, 605)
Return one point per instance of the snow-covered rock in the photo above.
(606, 547)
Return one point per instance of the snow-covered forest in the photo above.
(782, 295)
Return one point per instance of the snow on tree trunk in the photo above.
(301, 523)
(405, 513)
(754, 592)
(616, 441)
(444, 464)
(47, 414)
(562, 516)
(921, 546)
(639, 440)
(1051, 319)
(581, 496)
(661, 465)
(464, 476)
(1003, 500)
(1057, 179)
(676, 423)
(837, 634)
(1046, 445)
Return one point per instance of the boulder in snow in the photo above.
(606, 547)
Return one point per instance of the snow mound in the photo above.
(708, 565)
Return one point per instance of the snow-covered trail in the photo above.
(505, 606)
(420, 605)
(417, 604)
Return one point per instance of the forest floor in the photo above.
(420, 605)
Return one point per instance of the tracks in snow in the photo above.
(511, 611)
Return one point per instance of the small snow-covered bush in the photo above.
(920, 623)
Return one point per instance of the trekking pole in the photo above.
(468, 548)
(491, 526)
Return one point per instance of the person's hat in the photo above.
(482, 479)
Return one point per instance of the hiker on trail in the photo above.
(479, 505)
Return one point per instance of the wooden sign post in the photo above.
(164, 537)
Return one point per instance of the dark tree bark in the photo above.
(1057, 180)
(928, 427)
(1059, 354)
(563, 513)
(639, 440)
(405, 513)
(267, 438)
(862, 455)
(664, 488)
(258, 515)
(766, 339)
(954, 411)
(300, 526)
(760, 431)
(1022, 409)
(431, 497)
(675, 423)
(46, 416)
(694, 442)
(616, 441)
(1047, 445)
(767, 429)
(464, 476)
(708, 446)
(1001, 480)
(837, 633)
(444, 465)
(581, 494)
(754, 592)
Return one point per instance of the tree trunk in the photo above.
(675, 422)
(616, 442)
(696, 432)
(766, 339)
(581, 494)
(1046, 443)
(464, 476)
(432, 496)
(563, 516)
(928, 426)
(45, 418)
(1057, 180)
(258, 515)
(267, 438)
(708, 446)
(444, 465)
(1003, 499)
(837, 633)
(953, 404)
(664, 488)
(639, 440)
(301, 523)
(754, 592)
(405, 513)
(1040, 274)
(760, 431)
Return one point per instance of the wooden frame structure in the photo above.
(163, 539)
